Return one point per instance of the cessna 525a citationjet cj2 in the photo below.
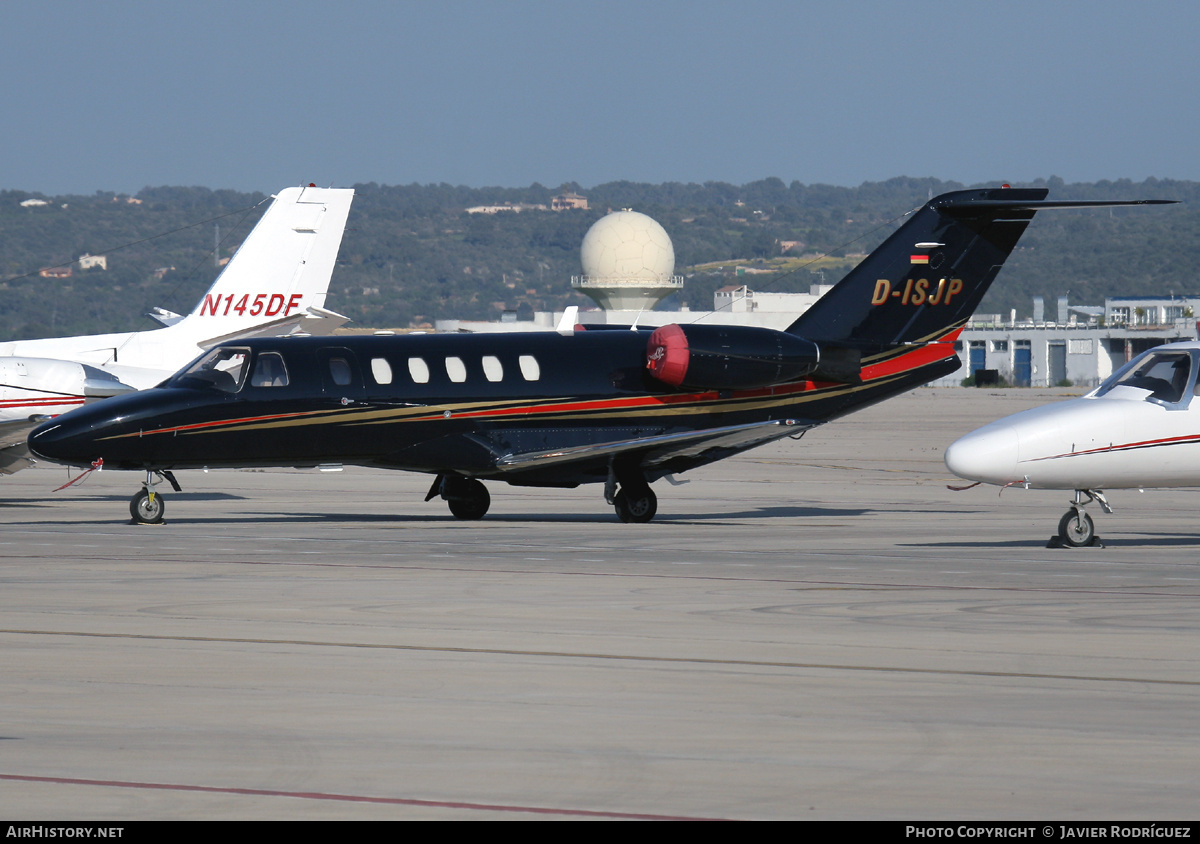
(274, 284)
(558, 409)
(1138, 429)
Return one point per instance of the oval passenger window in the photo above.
(492, 369)
(381, 371)
(418, 370)
(529, 367)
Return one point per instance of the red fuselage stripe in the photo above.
(15, 403)
(1184, 440)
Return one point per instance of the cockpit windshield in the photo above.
(1165, 374)
(223, 368)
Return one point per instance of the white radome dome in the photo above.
(627, 246)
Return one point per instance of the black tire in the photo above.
(1076, 529)
(638, 510)
(147, 512)
(471, 501)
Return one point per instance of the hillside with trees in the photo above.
(412, 253)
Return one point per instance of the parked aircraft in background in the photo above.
(558, 409)
(1138, 429)
(274, 284)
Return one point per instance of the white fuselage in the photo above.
(1140, 428)
(136, 357)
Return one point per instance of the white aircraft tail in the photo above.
(279, 273)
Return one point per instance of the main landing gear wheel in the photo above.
(1076, 529)
(146, 510)
(471, 500)
(639, 509)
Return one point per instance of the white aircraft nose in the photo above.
(988, 455)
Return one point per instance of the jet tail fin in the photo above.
(926, 280)
(283, 267)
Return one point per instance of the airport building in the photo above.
(1082, 347)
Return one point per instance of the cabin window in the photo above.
(456, 369)
(492, 370)
(530, 370)
(340, 372)
(269, 371)
(419, 370)
(381, 371)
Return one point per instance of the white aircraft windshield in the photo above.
(1166, 375)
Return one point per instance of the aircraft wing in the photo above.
(696, 447)
(14, 452)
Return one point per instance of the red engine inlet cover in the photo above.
(667, 354)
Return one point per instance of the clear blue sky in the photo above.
(257, 94)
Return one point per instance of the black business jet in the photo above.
(620, 406)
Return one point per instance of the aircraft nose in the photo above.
(988, 455)
(59, 442)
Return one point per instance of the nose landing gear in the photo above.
(147, 506)
(1075, 528)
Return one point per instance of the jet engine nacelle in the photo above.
(21, 376)
(720, 357)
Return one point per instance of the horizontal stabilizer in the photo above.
(315, 321)
(320, 321)
(164, 317)
(952, 206)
